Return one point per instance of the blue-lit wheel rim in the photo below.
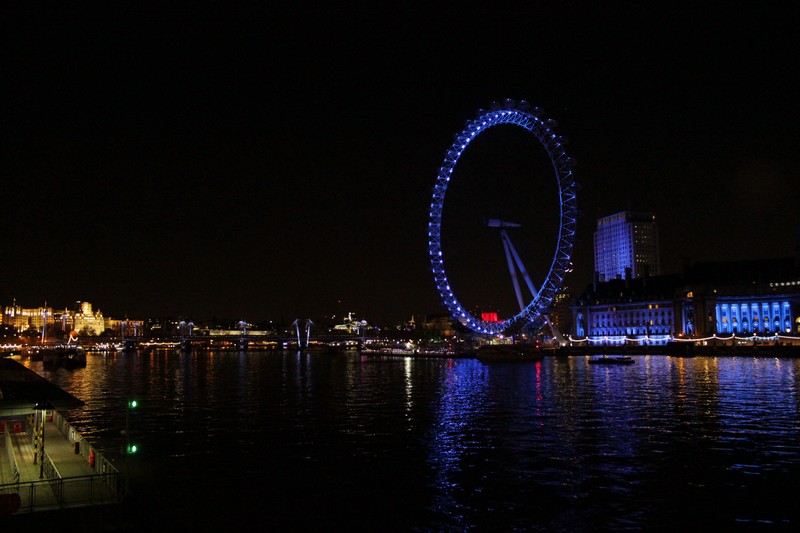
(531, 119)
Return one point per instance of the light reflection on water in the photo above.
(395, 443)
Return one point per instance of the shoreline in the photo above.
(681, 350)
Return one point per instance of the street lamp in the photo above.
(43, 407)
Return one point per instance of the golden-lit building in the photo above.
(125, 327)
(86, 321)
(24, 318)
(83, 319)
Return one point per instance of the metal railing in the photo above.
(58, 492)
(12, 459)
(102, 466)
(62, 493)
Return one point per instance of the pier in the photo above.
(45, 464)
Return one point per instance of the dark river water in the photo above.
(288, 441)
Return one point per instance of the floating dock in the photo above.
(45, 464)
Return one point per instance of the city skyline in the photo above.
(251, 164)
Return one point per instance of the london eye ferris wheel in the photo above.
(535, 308)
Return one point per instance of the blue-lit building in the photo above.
(626, 243)
(746, 298)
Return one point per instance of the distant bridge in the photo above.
(242, 342)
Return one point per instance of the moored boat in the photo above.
(612, 360)
(68, 356)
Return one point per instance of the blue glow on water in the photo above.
(451, 444)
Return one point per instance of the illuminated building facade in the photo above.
(124, 328)
(626, 240)
(749, 298)
(741, 298)
(22, 319)
(83, 319)
(88, 322)
(622, 311)
(351, 325)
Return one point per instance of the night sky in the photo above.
(259, 164)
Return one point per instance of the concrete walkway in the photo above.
(58, 448)
(74, 483)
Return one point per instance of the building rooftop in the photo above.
(743, 272)
(636, 289)
(732, 275)
(22, 388)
